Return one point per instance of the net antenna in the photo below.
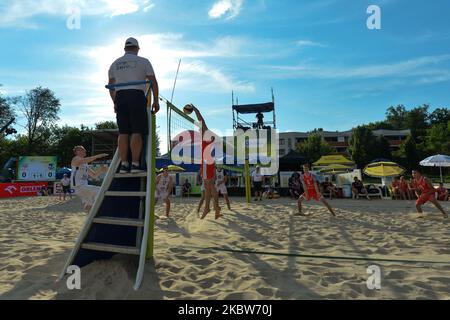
(175, 82)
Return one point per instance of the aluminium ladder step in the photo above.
(125, 193)
(119, 221)
(111, 248)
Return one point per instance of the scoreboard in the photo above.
(37, 168)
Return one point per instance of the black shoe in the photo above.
(124, 169)
(136, 169)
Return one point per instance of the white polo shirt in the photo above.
(257, 177)
(129, 68)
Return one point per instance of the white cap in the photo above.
(131, 42)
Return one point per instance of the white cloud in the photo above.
(223, 7)
(417, 67)
(164, 51)
(199, 73)
(308, 43)
(20, 13)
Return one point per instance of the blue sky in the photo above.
(327, 68)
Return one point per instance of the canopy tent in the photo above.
(333, 159)
(438, 160)
(254, 108)
(172, 168)
(335, 169)
(292, 161)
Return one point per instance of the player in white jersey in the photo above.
(164, 185)
(221, 180)
(80, 175)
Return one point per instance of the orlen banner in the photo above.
(20, 189)
(36, 169)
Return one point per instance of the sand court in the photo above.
(261, 251)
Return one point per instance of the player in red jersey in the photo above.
(311, 191)
(427, 193)
(208, 168)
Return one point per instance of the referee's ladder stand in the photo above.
(121, 221)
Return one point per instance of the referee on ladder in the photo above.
(130, 103)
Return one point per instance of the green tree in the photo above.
(314, 147)
(106, 125)
(440, 115)
(396, 117)
(6, 112)
(40, 108)
(380, 125)
(417, 120)
(382, 148)
(438, 139)
(65, 138)
(409, 154)
(362, 145)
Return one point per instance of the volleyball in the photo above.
(188, 109)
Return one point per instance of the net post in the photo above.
(151, 230)
(247, 181)
(151, 176)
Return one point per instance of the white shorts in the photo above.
(87, 193)
(162, 194)
(222, 189)
(202, 188)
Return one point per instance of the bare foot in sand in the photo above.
(205, 213)
(218, 215)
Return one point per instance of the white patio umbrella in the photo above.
(438, 160)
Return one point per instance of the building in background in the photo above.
(338, 140)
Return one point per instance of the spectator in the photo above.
(186, 189)
(328, 187)
(442, 193)
(257, 179)
(359, 189)
(404, 189)
(395, 187)
(43, 192)
(412, 189)
(65, 183)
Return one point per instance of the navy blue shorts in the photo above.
(131, 112)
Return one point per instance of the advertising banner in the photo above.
(20, 189)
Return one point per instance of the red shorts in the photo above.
(312, 194)
(208, 171)
(424, 198)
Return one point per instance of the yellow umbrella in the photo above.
(383, 169)
(173, 168)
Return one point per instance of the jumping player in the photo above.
(427, 193)
(164, 185)
(80, 174)
(207, 168)
(221, 188)
(311, 191)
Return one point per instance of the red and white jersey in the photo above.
(423, 185)
(309, 181)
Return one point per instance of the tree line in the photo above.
(42, 135)
(430, 135)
